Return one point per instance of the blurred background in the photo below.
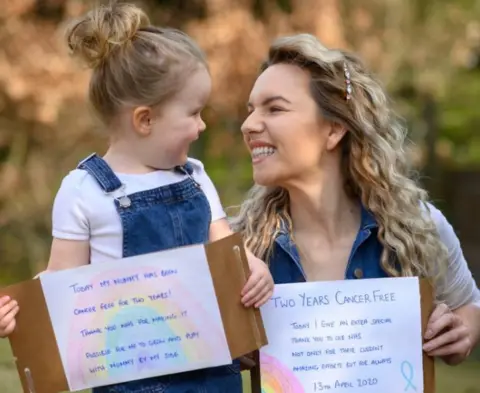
(426, 52)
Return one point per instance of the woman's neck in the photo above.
(321, 205)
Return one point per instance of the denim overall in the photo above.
(158, 219)
(364, 260)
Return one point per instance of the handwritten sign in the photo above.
(340, 336)
(138, 317)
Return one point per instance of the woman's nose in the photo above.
(252, 124)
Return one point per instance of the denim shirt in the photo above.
(364, 260)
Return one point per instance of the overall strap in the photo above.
(186, 169)
(101, 171)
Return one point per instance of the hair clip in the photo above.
(348, 82)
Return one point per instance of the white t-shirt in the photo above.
(82, 211)
(458, 287)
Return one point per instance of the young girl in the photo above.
(148, 86)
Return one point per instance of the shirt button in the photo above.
(358, 273)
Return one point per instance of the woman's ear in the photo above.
(335, 135)
(142, 120)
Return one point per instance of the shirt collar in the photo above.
(367, 221)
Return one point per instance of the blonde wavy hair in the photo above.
(374, 164)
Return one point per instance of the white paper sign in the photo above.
(135, 318)
(344, 336)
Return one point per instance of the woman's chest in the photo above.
(322, 262)
(360, 258)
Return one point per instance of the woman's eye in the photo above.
(275, 109)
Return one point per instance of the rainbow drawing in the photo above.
(276, 377)
(159, 345)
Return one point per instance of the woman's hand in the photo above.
(259, 287)
(448, 336)
(8, 310)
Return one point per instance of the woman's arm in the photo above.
(452, 334)
(454, 327)
(470, 315)
(457, 288)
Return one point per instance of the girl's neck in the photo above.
(123, 158)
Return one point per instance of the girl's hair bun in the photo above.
(104, 30)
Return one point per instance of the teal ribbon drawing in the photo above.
(407, 366)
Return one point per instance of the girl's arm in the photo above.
(259, 287)
(70, 246)
(70, 226)
(67, 254)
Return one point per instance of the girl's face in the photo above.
(175, 124)
(288, 139)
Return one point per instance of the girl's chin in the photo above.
(181, 159)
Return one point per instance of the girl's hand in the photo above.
(259, 287)
(8, 310)
(449, 337)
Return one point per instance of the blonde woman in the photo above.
(334, 198)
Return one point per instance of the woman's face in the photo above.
(287, 137)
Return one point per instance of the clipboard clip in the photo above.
(29, 379)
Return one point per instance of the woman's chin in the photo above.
(264, 178)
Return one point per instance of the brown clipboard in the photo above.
(34, 345)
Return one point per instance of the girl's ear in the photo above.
(142, 120)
